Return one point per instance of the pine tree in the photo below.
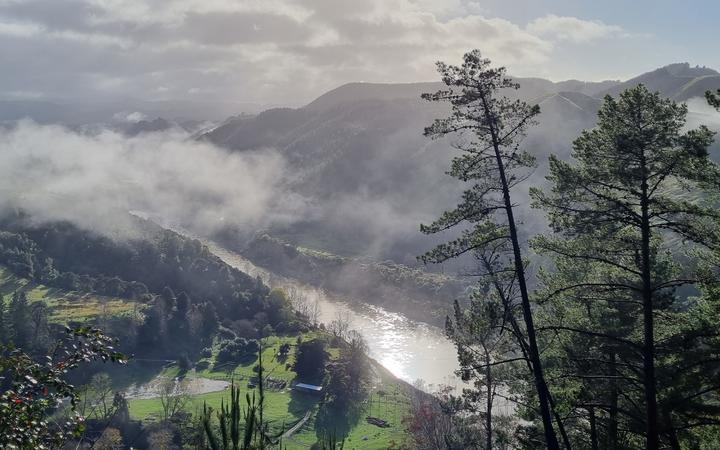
(621, 211)
(489, 128)
(487, 355)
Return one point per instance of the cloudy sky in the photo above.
(289, 51)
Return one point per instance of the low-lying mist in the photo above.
(93, 180)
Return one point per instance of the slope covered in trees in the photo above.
(186, 289)
(190, 308)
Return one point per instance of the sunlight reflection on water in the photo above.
(410, 350)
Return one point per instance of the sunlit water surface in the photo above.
(410, 350)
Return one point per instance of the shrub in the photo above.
(202, 365)
(226, 333)
(184, 363)
(237, 350)
(310, 360)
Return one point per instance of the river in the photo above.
(410, 350)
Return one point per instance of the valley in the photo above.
(151, 382)
(328, 273)
(410, 349)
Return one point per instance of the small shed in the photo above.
(311, 388)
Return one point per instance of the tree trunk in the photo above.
(593, 429)
(560, 425)
(488, 417)
(542, 389)
(613, 422)
(652, 431)
(671, 433)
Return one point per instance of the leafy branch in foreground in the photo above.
(36, 389)
(713, 98)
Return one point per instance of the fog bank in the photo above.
(93, 180)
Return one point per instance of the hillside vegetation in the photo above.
(191, 325)
(418, 294)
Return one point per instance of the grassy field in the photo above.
(66, 306)
(284, 408)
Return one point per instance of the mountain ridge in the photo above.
(683, 73)
(358, 155)
(678, 81)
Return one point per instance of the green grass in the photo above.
(282, 407)
(65, 305)
(388, 400)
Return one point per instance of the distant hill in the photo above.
(83, 113)
(677, 81)
(149, 126)
(530, 88)
(354, 92)
(358, 154)
(160, 124)
(584, 87)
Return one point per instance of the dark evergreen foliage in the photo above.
(310, 360)
(631, 218)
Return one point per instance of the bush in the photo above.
(310, 360)
(284, 349)
(237, 350)
(184, 363)
(244, 328)
(202, 365)
(225, 333)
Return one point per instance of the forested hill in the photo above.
(679, 82)
(192, 326)
(177, 278)
(359, 155)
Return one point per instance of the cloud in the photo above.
(94, 180)
(561, 28)
(132, 117)
(271, 51)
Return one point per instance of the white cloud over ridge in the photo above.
(93, 180)
(272, 51)
(558, 28)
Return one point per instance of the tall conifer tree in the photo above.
(623, 209)
(489, 127)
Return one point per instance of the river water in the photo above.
(410, 350)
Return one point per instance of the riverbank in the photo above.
(407, 348)
(415, 293)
